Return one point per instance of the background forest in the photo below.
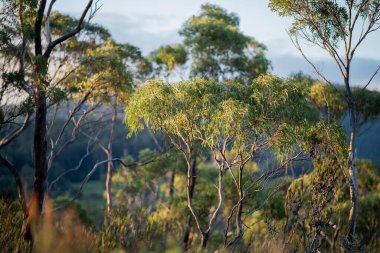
(196, 146)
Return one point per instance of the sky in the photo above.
(149, 24)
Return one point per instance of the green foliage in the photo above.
(169, 57)
(318, 203)
(218, 49)
(79, 209)
(42, 66)
(61, 24)
(234, 104)
(369, 220)
(330, 137)
(56, 95)
(282, 101)
(367, 104)
(282, 112)
(105, 72)
(138, 184)
(328, 100)
(368, 180)
(332, 25)
(206, 110)
(317, 20)
(274, 206)
(133, 231)
(12, 78)
(10, 222)
(108, 69)
(270, 113)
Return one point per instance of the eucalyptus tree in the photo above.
(179, 112)
(312, 217)
(66, 66)
(219, 49)
(338, 27)
(325, 186)
(267, 127)
(110, 72)
(17, 105)
(33, 40)
(231, 120)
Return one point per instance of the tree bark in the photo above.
(239, 212)
(38, 92)
(40, 166)
(350, 237)
(191, 186)
(205, 239)
(40, 145)
(205, 235)
(239, 222)
(171, 185)
(110, 163)
(190, 189)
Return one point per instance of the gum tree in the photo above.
(219, 49)
(339, 28)
(232, 121)
(110, 73)
(181, 112)
(33, 39)
(267, 127)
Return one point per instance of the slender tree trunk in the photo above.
(171, 194)
(40, 145)
(171, 185)
(190, 189)
(205, 237)
(110, 163)
(239, 223)
(239, 212)
(353, 181)
(186, 237)
(40, 171)
(335, 238)
(191, 186)
(36, 203)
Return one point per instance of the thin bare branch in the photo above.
(72, 33)
(11, 136)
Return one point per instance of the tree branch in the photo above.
(38, 28)
(8, 139)
(19, 183)
(74, 32)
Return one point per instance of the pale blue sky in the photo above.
(149, 24)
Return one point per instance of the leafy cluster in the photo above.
(219, 49)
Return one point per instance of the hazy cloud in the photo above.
(148, 26)
(148, 32)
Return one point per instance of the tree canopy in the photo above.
(219, 49)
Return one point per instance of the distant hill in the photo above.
(368, 142)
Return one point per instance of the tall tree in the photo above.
(109, 72)
(179, 112)
(338, 27)
(230, 120)
(30, 35)
(219, 49)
